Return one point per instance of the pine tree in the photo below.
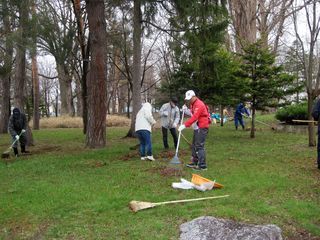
(267, 82)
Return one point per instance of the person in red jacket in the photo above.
(200, 120)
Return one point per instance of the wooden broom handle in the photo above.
(189, 200)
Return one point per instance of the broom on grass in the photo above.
(6, 153)
(137, 205)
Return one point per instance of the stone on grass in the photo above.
(211, 228)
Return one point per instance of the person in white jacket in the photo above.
(170, 117)
(143, 128)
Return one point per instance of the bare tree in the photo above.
(311, 72)
(19, 98)
(84, 47)
(56, 36)
(244, 17)
(96, 128)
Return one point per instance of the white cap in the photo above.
(189, 94)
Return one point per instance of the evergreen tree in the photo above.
(204, 24)
(267, 82)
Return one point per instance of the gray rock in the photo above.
(211, 228)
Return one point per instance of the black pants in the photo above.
(165, 137)
(198, 151)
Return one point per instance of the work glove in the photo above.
(23, 131)
(181, 127)
(174, 125)
(17, 137)
(184, 108)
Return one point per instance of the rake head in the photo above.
(175, 160)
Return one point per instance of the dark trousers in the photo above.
(165, 137)
(145, 142)
(198, 151)
(22, 140)
(237, 120)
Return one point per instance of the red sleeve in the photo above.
(197, 110)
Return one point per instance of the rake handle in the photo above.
(178, 143)
(189, 200)
(257, 120)
(185, 139)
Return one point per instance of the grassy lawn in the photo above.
(64, 191)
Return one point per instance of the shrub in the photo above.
(295, 111)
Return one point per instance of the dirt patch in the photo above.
(40, 233)
(170, 172)
(130, 156)
(89, 163)
(45, 149)
(167, 171)
(167, 154)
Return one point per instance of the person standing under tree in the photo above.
(238, 115)
(143, 127)
(17, 129)
(170, 117)
(200, 116)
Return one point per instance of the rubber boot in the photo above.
(23, 149)
(15, 150)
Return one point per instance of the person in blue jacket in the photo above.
(238, 115)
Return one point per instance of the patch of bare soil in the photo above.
(167, 155)
(130, 156)
(167, 171)
(45, 149)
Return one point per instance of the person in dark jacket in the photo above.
(17, 129)
(316, 114)
(238, 115)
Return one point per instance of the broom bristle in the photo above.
(5, 155)
(137, 205)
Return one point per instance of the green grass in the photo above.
(65, 191)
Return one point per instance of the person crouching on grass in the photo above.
(143, 127)
(200, 115)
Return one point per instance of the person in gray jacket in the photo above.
(170, 117)
(17, 129)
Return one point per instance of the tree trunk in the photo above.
(79, 99)
(7, 68)
(36, 93)
(136, 74)
(252, 132)
(96, 84)
(85, 56)
(20, 74)
(35, 78)
(67, 107)
(243, 14)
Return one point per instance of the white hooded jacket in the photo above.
(144, 119)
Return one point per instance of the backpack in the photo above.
(315, 110)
